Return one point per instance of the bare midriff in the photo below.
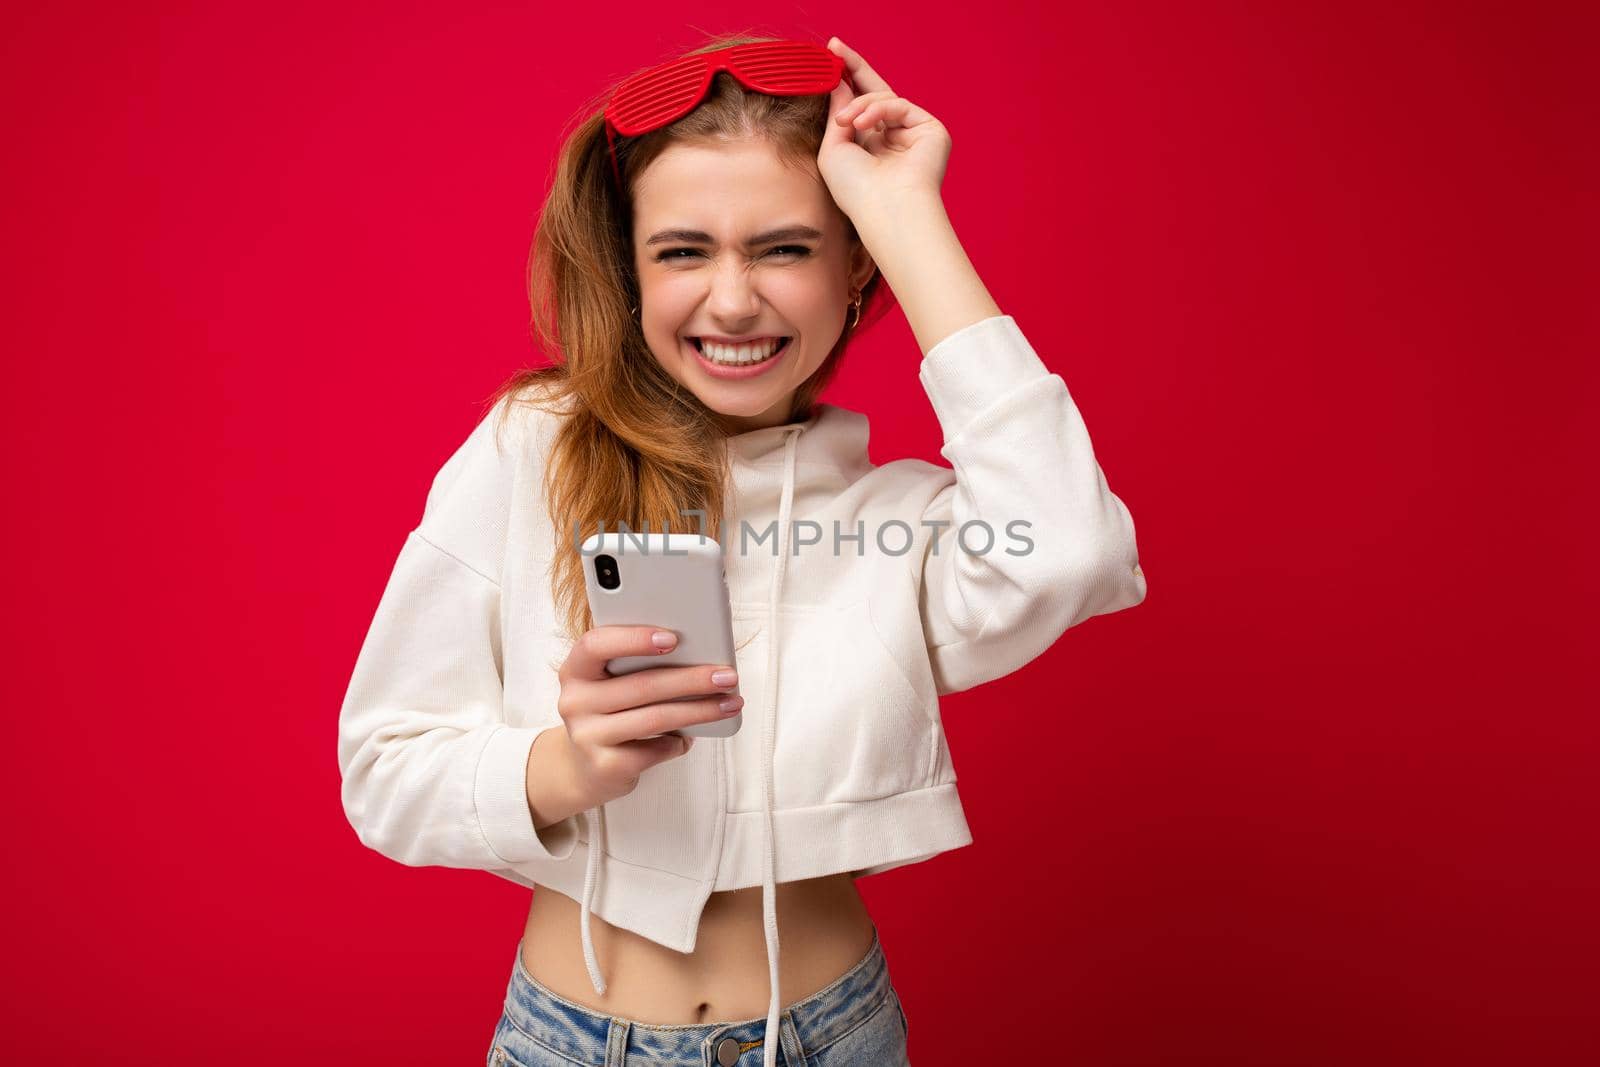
(823, 930)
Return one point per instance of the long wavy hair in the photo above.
(634, 445)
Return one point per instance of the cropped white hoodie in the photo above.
(892, 584)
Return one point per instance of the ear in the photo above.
(862, 268)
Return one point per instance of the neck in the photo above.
(779, 414)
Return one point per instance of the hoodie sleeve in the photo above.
(433, 774)
(1025, 473)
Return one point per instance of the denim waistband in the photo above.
(591, 1036)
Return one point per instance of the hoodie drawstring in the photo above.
(769, 889)
(595, 817)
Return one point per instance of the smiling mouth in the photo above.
(777, 350)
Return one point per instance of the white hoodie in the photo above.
(841, 762)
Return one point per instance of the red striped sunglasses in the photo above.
(664, 94)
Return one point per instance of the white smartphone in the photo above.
(674, 581)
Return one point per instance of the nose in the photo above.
(733, 298)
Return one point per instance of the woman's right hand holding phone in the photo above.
(616, 726)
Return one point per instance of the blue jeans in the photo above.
(855, 1020)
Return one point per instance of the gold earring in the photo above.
(856, 304)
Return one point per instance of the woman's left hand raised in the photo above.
(878, 147)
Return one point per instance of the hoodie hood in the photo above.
(830, 454)
(833, 436)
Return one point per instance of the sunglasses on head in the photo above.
(664, 94)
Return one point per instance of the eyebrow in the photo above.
(700, 237)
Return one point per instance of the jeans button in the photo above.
(728, 1052)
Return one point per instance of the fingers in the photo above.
(623, 727)
(852, 107)
(590, 653)
(862, 77)
(588, 689)
(647, 687)
(865, 112)
(879, 120)
(646, 754)
(840, 97)
(836, 132)
(860, 120)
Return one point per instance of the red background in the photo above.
(1321, 277)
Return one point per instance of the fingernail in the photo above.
(724, 677)
(730, 704)
(663, 639)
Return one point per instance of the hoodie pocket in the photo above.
(850, 726)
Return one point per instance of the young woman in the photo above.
(714, 238)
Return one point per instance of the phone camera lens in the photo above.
(605, 570)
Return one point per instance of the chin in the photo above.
(742, 406)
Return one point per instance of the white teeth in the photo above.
(738, 355)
